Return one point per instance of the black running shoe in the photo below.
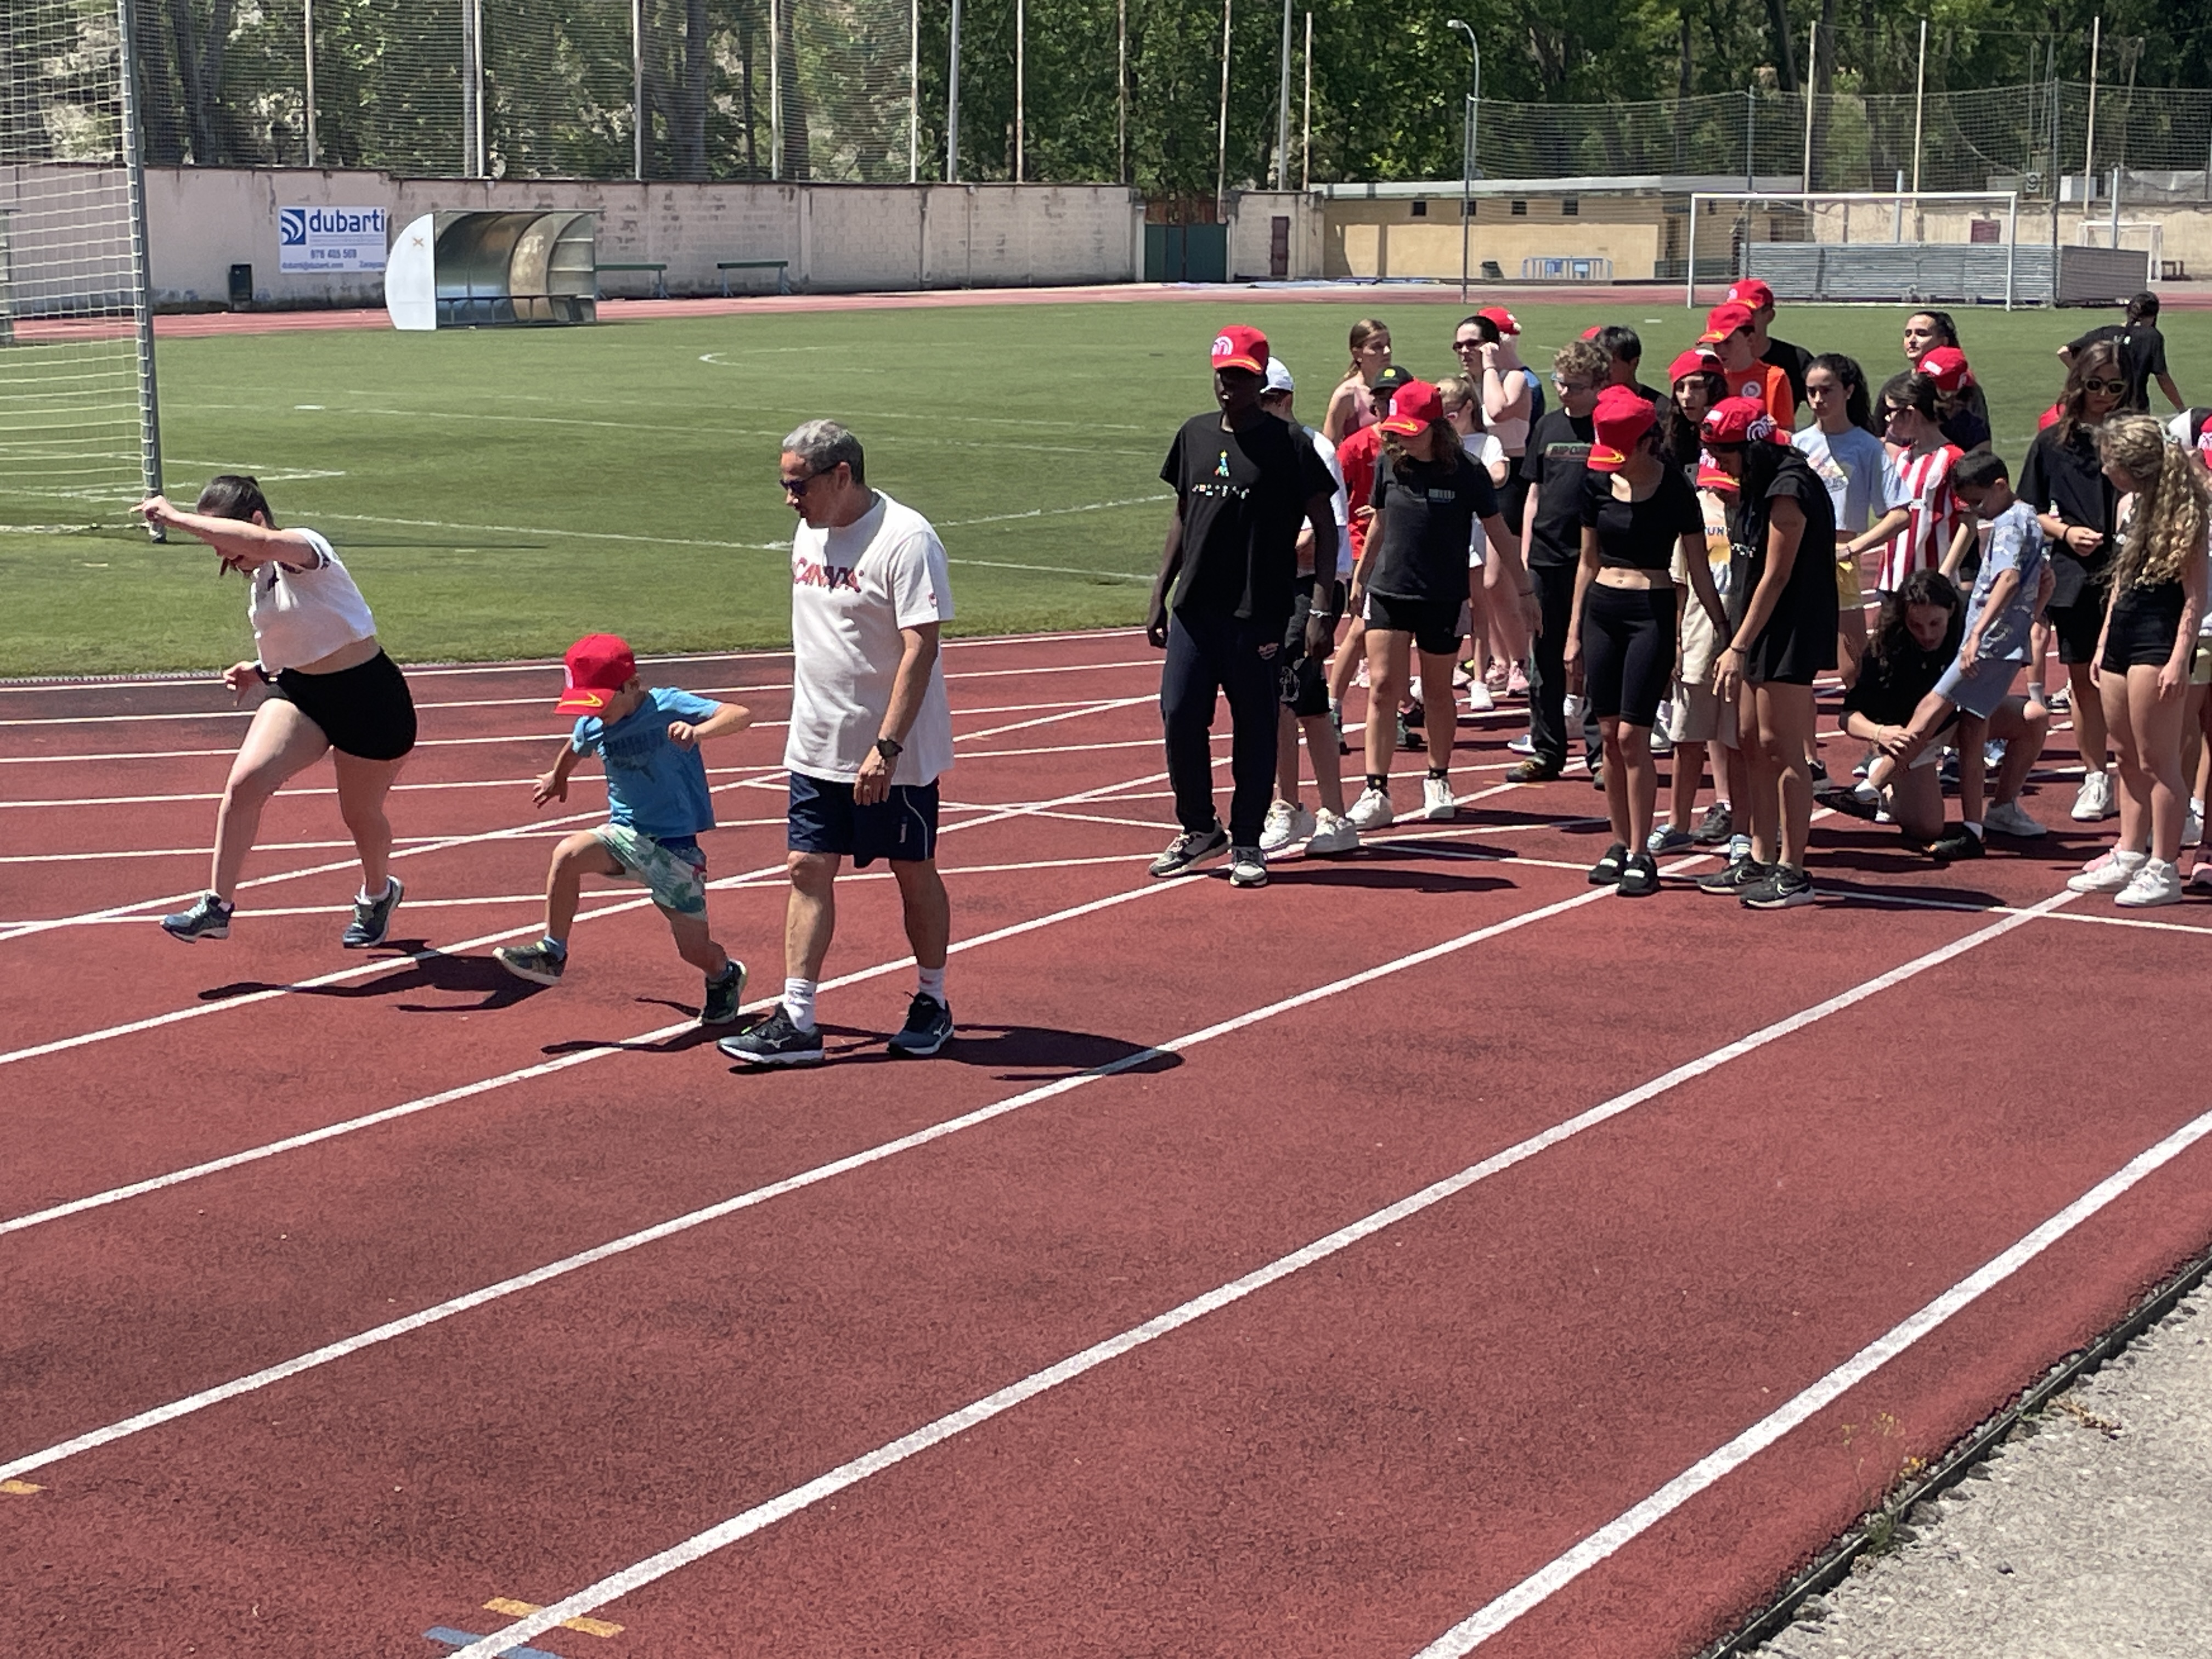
(1715, 828)
(1743, 873)
(1639, 877)
(723, 995)
(1188, 849)
(208, 918)
(539, 964)
(1784, 888)
(774, 1041)
(1956, 845)
(1606, 871)
(928, 1028)
(372, 918)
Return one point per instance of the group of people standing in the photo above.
(1677, 569)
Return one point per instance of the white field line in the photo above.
(1563, 1570)
(760, 777)
(549, 738)
(412, 958)
(977, 1411)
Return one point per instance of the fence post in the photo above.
(1919, 101)
(1750, 138)
(307, 56)
(2089, 148)
(637, 87)
(775, 89)
(914, 95)
(952, 103)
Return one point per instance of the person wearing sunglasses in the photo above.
(2142, 354)
(2064, 481)
(871, 731)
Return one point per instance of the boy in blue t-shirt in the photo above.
(2010, 591)
(647, 737)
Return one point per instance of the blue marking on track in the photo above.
(461, 1639)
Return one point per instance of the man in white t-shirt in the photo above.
(871, 731)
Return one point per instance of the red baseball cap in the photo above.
(1947, 366)
(1593, 331)
(1709, 476)
(1724, 320)
(1416, 405)
(1499, 318)
(598, 665)
(1241, 347)
(1696, 361)
(1622, 417)
(1738, 421)
(1751, 292)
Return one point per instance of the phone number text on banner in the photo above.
(311, 239)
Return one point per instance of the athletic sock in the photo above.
(1379, 781)
(799, 1001)
(1974, 828)
(367, 897)
(557, 948)
(932, 984)
(1439, 772)
(222, 904)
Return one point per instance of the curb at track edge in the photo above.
(1834, 1564)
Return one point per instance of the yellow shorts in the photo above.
(2199, 665)
(1849, 597)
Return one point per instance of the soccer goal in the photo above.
(1958, 247)
(79, 439)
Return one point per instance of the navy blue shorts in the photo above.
(824, 819)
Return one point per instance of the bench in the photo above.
(660, 278)
(781, 267)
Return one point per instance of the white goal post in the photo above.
(1899, 246)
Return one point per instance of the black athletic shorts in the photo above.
(364, 711)
(1304, 678)
(2144, 623)
(2077, 626)
(822, 817)
(1434, 623)
(1628, 651)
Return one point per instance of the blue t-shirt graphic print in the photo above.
(652, 785)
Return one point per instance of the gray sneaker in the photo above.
(1189, 848)
(534, 963)
(208, 918)
(372, 918)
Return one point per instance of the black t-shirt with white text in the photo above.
(1554, 463)
(1244, 496)
(1430, 511)
(1633, 535)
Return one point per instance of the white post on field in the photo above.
(307, 56)
(1305, 139)
(2116, 209)
(1919, 103)
(1811, 57)
(2089, 148)
(1021, 88)
(1467, 157)
(2012, 244)
(1283, 107)
(913, 94)
(775, 88)
(637, 87)
(952, 103)
(1122, 89)
(1221, 139)
(1690, 265)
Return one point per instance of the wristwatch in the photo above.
(890, 748)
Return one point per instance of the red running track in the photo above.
(1338, 1268)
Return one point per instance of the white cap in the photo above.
(1278, 377)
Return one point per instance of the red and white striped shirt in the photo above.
(1925, 481)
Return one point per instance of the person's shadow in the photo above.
(432, 970)
(1014, 1053)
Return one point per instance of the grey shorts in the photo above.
(1979, 693)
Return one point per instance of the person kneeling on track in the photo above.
(1915, 640)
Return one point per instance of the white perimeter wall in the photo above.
(838, 238)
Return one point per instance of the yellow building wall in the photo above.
(1380, 239)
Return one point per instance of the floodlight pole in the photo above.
(636, 86)
(307, 56)
(1283, 108)
(1305, 138)
(1919, 103)
(1021, 86)
(1467, 157)
(913, 93)
(952, 103)
(1221, 140)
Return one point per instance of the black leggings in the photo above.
(1628, 651)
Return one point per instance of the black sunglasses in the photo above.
(799, 486)
(2115, 387)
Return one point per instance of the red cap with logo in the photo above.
(1621, 417)
(1592, 331)
(1947, 366)
(1416, 405)
(1751, 292)
(598, 665)
(1724, 320)
(1241, 347)
(1500, 318)
(1696, 361)
(1709, 476)
(1739, 421)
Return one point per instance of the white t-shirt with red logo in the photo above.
(1925, 483)
(852, 591)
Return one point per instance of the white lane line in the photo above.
(977, 1411)
(1563, 1570)
(388, 964)
(769, 777)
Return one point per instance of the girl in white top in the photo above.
(327, 685)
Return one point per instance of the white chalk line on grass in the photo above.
(1623, 1530)
(977, 1411)
(768, 777)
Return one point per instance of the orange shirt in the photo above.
(1769, 384)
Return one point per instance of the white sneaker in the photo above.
(2108, 874)
(1573, 711)
(1332, 836)
(2156, 883)
(1371, 810)
(2192, 826)
(1523, 744)
(1480, 700)
(2010, 819)
(2094, 799)
(1661, 743)
(1248, 867)
(1285, 824)
(1437, 805)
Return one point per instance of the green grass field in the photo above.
(499, 493)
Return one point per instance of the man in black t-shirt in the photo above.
(1793, 361)
(1551, 543)
(2142, 354)
(1245, 483)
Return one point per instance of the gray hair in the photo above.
(822, 444)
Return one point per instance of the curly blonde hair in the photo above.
(2173, 506)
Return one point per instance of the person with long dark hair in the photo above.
(2064, 481)
(1784, 635)
(1697, 384)
(1916, 639)
(326, 687)
(1846, 454)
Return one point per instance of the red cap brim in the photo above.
(1711, 478)
(1404, 426)
(582, 701)
(1601, 459)
(1254, 364)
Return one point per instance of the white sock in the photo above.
(799, 1001)
(367, 897)
(933, 984)
(1974, 828)
(2198, 807)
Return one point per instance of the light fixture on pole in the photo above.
(1467, 157)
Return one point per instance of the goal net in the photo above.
(78, 439)
(1959, 247)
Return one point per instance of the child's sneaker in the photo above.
(775, 1041)
(1437, 805)
(1371, 810)
(724, 995)
(1248, 867)
(208, 918)
(2157, 882)
(1668, 838)
(2109, 873)
(1285, 824)
(372, 918)
(539, 964)
(1715, 828)
(2010, 819)
(1332, 836)
(928, 1028)
(1480, 699)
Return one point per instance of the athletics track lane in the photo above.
(1184, 1202)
